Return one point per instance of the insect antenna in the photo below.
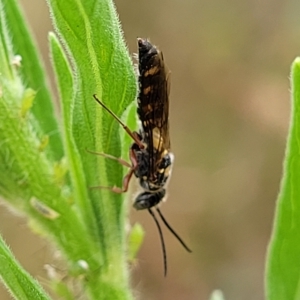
(131, 134)
(173, 231)
(161, 240)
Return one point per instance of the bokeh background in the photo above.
(230, 104)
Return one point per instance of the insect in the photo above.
(150, 156)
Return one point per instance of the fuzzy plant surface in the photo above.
(45, 168)
(283, 261)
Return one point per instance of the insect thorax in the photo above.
(152, 178)
(152, 181)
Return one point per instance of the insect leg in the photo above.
(132, 134)
(119, 160)
(126, 179)
(116, 189)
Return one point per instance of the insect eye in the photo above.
(146, 200)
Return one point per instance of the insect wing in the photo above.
(153, 102)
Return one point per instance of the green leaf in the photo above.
(136, 238)
(65, 84)
(32, 71)
(87, 225)
(100, 65)
(29, 180)
(217, 295)
(27, 101)
(20, 284)
(283, 263)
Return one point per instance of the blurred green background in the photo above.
(230, 104)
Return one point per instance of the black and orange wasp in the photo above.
(150, 155)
